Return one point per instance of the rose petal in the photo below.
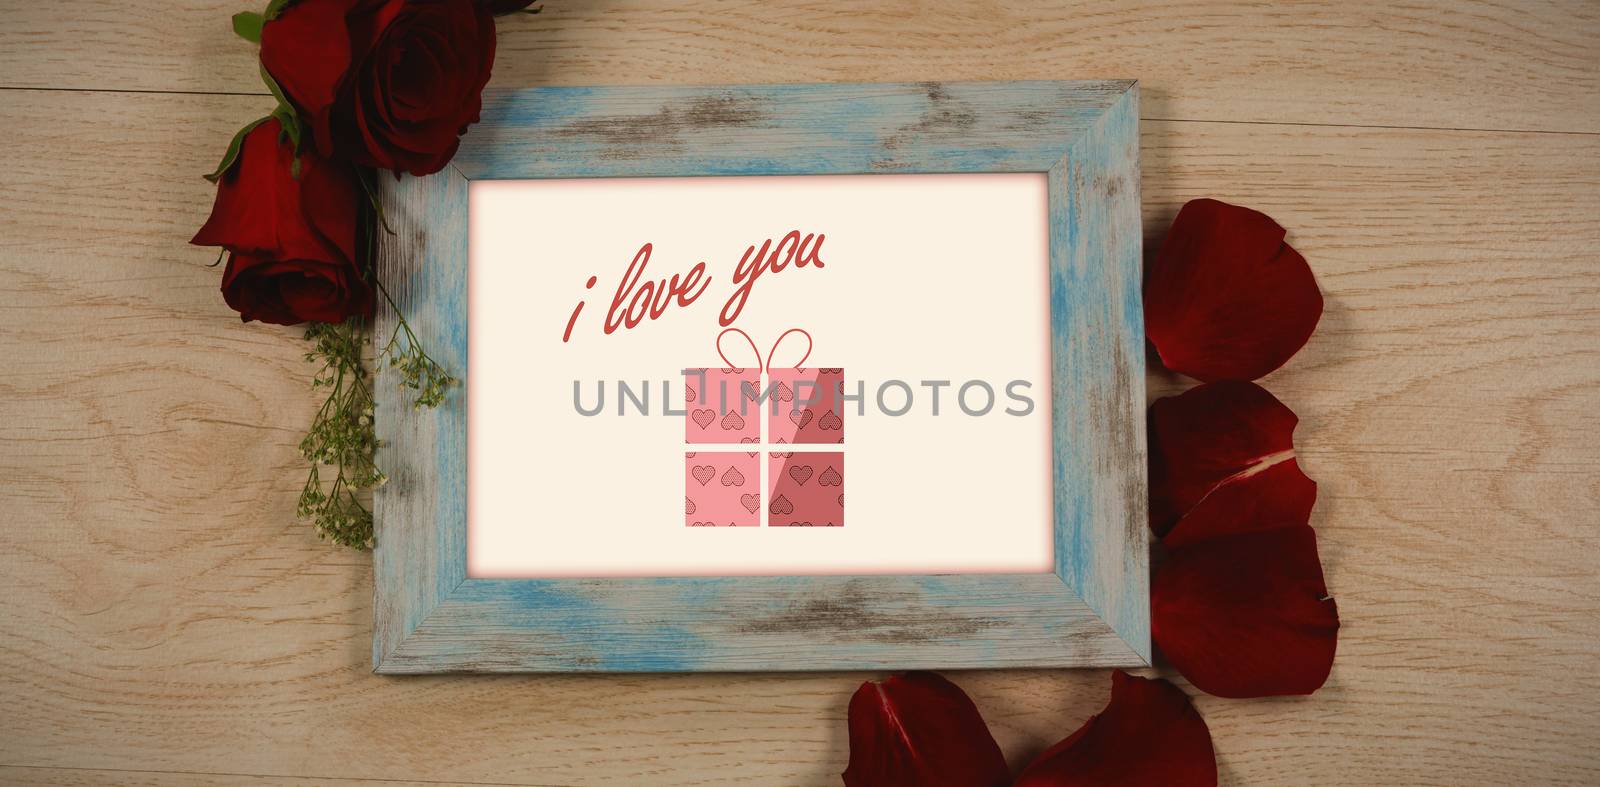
(290, 292)
(262, 209)
(1256, 500)
(920, 730)
(1247, 615)
(307, 50)
(1149, 734)
(1226, 298)
(421, 87)
(1222, 458)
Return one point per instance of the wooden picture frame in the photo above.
(1093, 610)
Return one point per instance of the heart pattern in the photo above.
(723, 396)
(813, 395)
(800, 473)
(799, 483)
(830, 422)
(722, 501)
(750, 502)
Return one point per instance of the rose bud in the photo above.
(291, 240)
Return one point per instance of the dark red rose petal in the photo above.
(920, 730)
(390, 84)
(1264, 500)
(262, 209)
(243, 289)
(307, 51)
(1247, 615)
(1222, 454)
(290, 292)
(1226, 298)
(312, 296)
(1149, 734)
(428, 69)
(292, 241)
(420, 86)
(370, 23)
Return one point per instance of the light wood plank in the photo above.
(91, 777)
(1455, 63)
(160, 608)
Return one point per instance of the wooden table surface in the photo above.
(166, 620)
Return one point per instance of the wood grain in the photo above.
(1456, 64)
(422, 520)
(1102, 511)
(788, 129)
(164, 620)
(90, 777)
(164, 611)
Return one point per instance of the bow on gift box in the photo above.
(767, 365)
(817, 417)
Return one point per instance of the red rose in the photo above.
(391, 84)
(292, 240)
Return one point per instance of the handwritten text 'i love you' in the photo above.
(636, 301)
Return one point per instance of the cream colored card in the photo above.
(929, 285)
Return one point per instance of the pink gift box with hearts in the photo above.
(767, 407)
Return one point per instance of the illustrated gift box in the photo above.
(794, 406)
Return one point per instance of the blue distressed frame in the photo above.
(1092, 611)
